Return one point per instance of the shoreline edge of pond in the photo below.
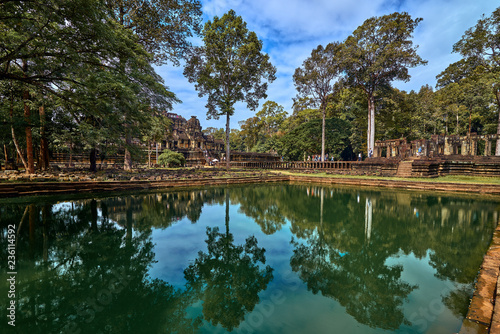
(483, 314)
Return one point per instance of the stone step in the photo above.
(405, 168)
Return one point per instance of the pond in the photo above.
(276, 258)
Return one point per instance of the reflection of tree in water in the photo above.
(228, 278)
(263, 205)
(78, 271)
(161, 210)
(356, 276)
(78, 250)
(342, 259)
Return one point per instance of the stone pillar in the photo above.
(448, 148)
(487, 147)
(473, 147)
(465, 146)
(425, 148)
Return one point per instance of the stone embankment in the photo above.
(16, 184)
(483, 315)
(403, 184)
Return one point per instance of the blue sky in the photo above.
(291, 29)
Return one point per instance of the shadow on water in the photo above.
(83, 265)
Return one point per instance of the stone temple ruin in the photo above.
(436, 146)
(440, 155)
(200, 149)
(188, 139)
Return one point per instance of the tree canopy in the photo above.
(229, 67)
(480, 49)
(317, 79)
(378, 52)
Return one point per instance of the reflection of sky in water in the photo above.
(287, 306)
(178, 246)
(346, 245)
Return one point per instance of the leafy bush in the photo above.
(171, 159)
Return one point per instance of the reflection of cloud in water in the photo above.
(331, 253)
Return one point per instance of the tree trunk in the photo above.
(149, 154)
(44, 145)
(323, 134)
(70, 155)
(14, 140)
(497, 150)
(93, 160)
(29, 136)
(228, 165)
(371, 124)
(30, 164)
(156, 153)
(127, 163)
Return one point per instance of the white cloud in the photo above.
(291, 29)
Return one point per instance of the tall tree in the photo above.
(163, 28)
(229, 67)
(154, 130)
(251, 131)
(42, 41)
(271, 116)
(303, 111)
(378, 52)
(317, 77)
(480, 47)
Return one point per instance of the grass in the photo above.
(441, 179)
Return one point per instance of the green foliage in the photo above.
(155, 128)
(217, 133)
(237, 141)
(470, 86)
(317, 79)
(303, 112)
(162, 27)
(378, 52)
(306, 140)
(229, 67)
(317, 76)
(171, 159)
(271, 117)
(259, 132)
(76, 59)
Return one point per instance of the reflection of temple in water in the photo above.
(162, 209)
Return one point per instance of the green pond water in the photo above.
(274, 258)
